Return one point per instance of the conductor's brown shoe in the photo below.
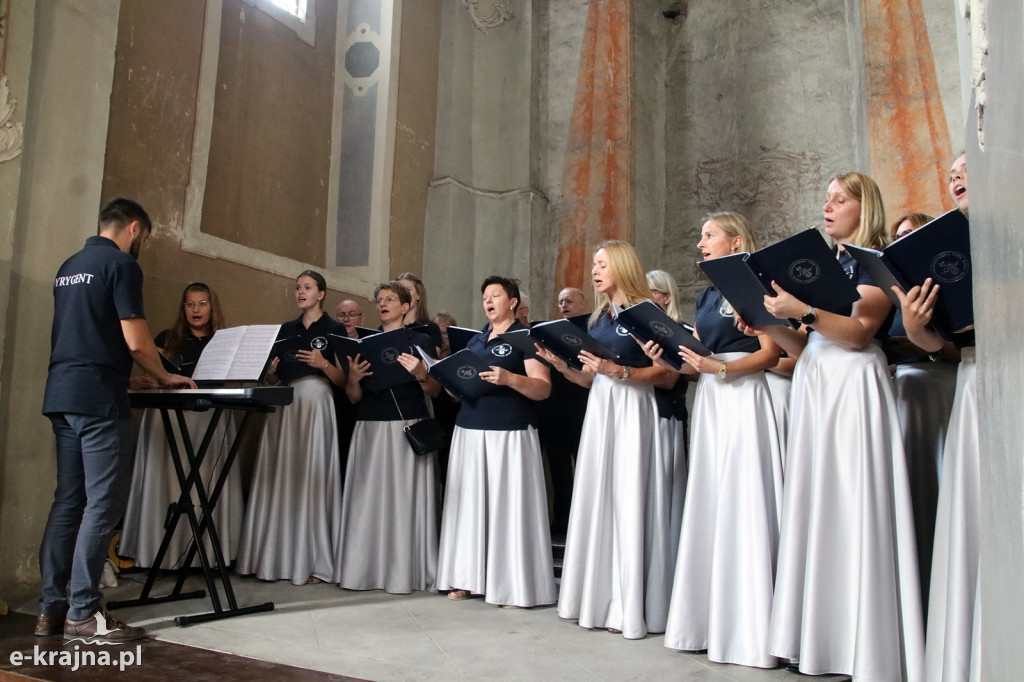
(50, 624)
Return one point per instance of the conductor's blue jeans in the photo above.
(93, 462)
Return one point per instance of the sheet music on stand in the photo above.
(237, 354)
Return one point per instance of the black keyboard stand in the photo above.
(201, 523)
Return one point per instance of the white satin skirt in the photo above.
(954, 610)
(924, 397)
(495, 538)
(780, 387)
(294, 509)
(388, 535)
(725, 570)
(617, 570)
(155, 485)
(847, 598)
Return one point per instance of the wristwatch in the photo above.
(625, 373)
(811, 316)
(722, 370)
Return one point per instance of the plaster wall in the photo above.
(481, 204)
(997, 244)
(62, 169)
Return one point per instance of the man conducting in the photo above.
(99, 328)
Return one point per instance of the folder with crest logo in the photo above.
(941, 250)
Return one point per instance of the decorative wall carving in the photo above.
(973, 12)
(501, 11)
(11, 134)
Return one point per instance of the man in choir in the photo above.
(99, 329)
(572, 302)
(350, 315)
(561, 423)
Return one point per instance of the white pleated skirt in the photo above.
(954, 611)
(155, 485)
(780, 387)
(847, 598)
(495, 539)
(924, 397)
(388, 535)
(617, 570)
(294, 508)
(725, 570)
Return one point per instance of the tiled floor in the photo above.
(377, 636)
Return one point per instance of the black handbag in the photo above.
(425, 436)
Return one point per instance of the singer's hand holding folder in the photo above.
(648, 322)
(941, 250)
(802, 265)
(566, 340)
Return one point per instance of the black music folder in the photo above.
(381, 351)
(522, 341)
(941, 250)
(566, 340)
(363, 332)
(804, 265)
(460, 374)
(648, 322)
(458, 337)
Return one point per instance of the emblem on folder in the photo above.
(466, 372)
(660, 329)
(804, 271)
(949, 266)
(389, 356)
(571, 340)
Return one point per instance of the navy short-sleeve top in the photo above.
(504, 409)
(378, 407)
(191, 348)
(717, 327)
(90, 363)
(294, 336)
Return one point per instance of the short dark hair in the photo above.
(321, 283)
(511, 287)
(118, 212)
(395, 287)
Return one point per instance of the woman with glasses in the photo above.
(154, 482)
(495, 541)
(388, 535)
(294, 509)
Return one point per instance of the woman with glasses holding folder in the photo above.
(725, 569)
(388, 535)
(294, 509)
(154, 483)
(495, 540)
(847, 595)
(617, 571)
